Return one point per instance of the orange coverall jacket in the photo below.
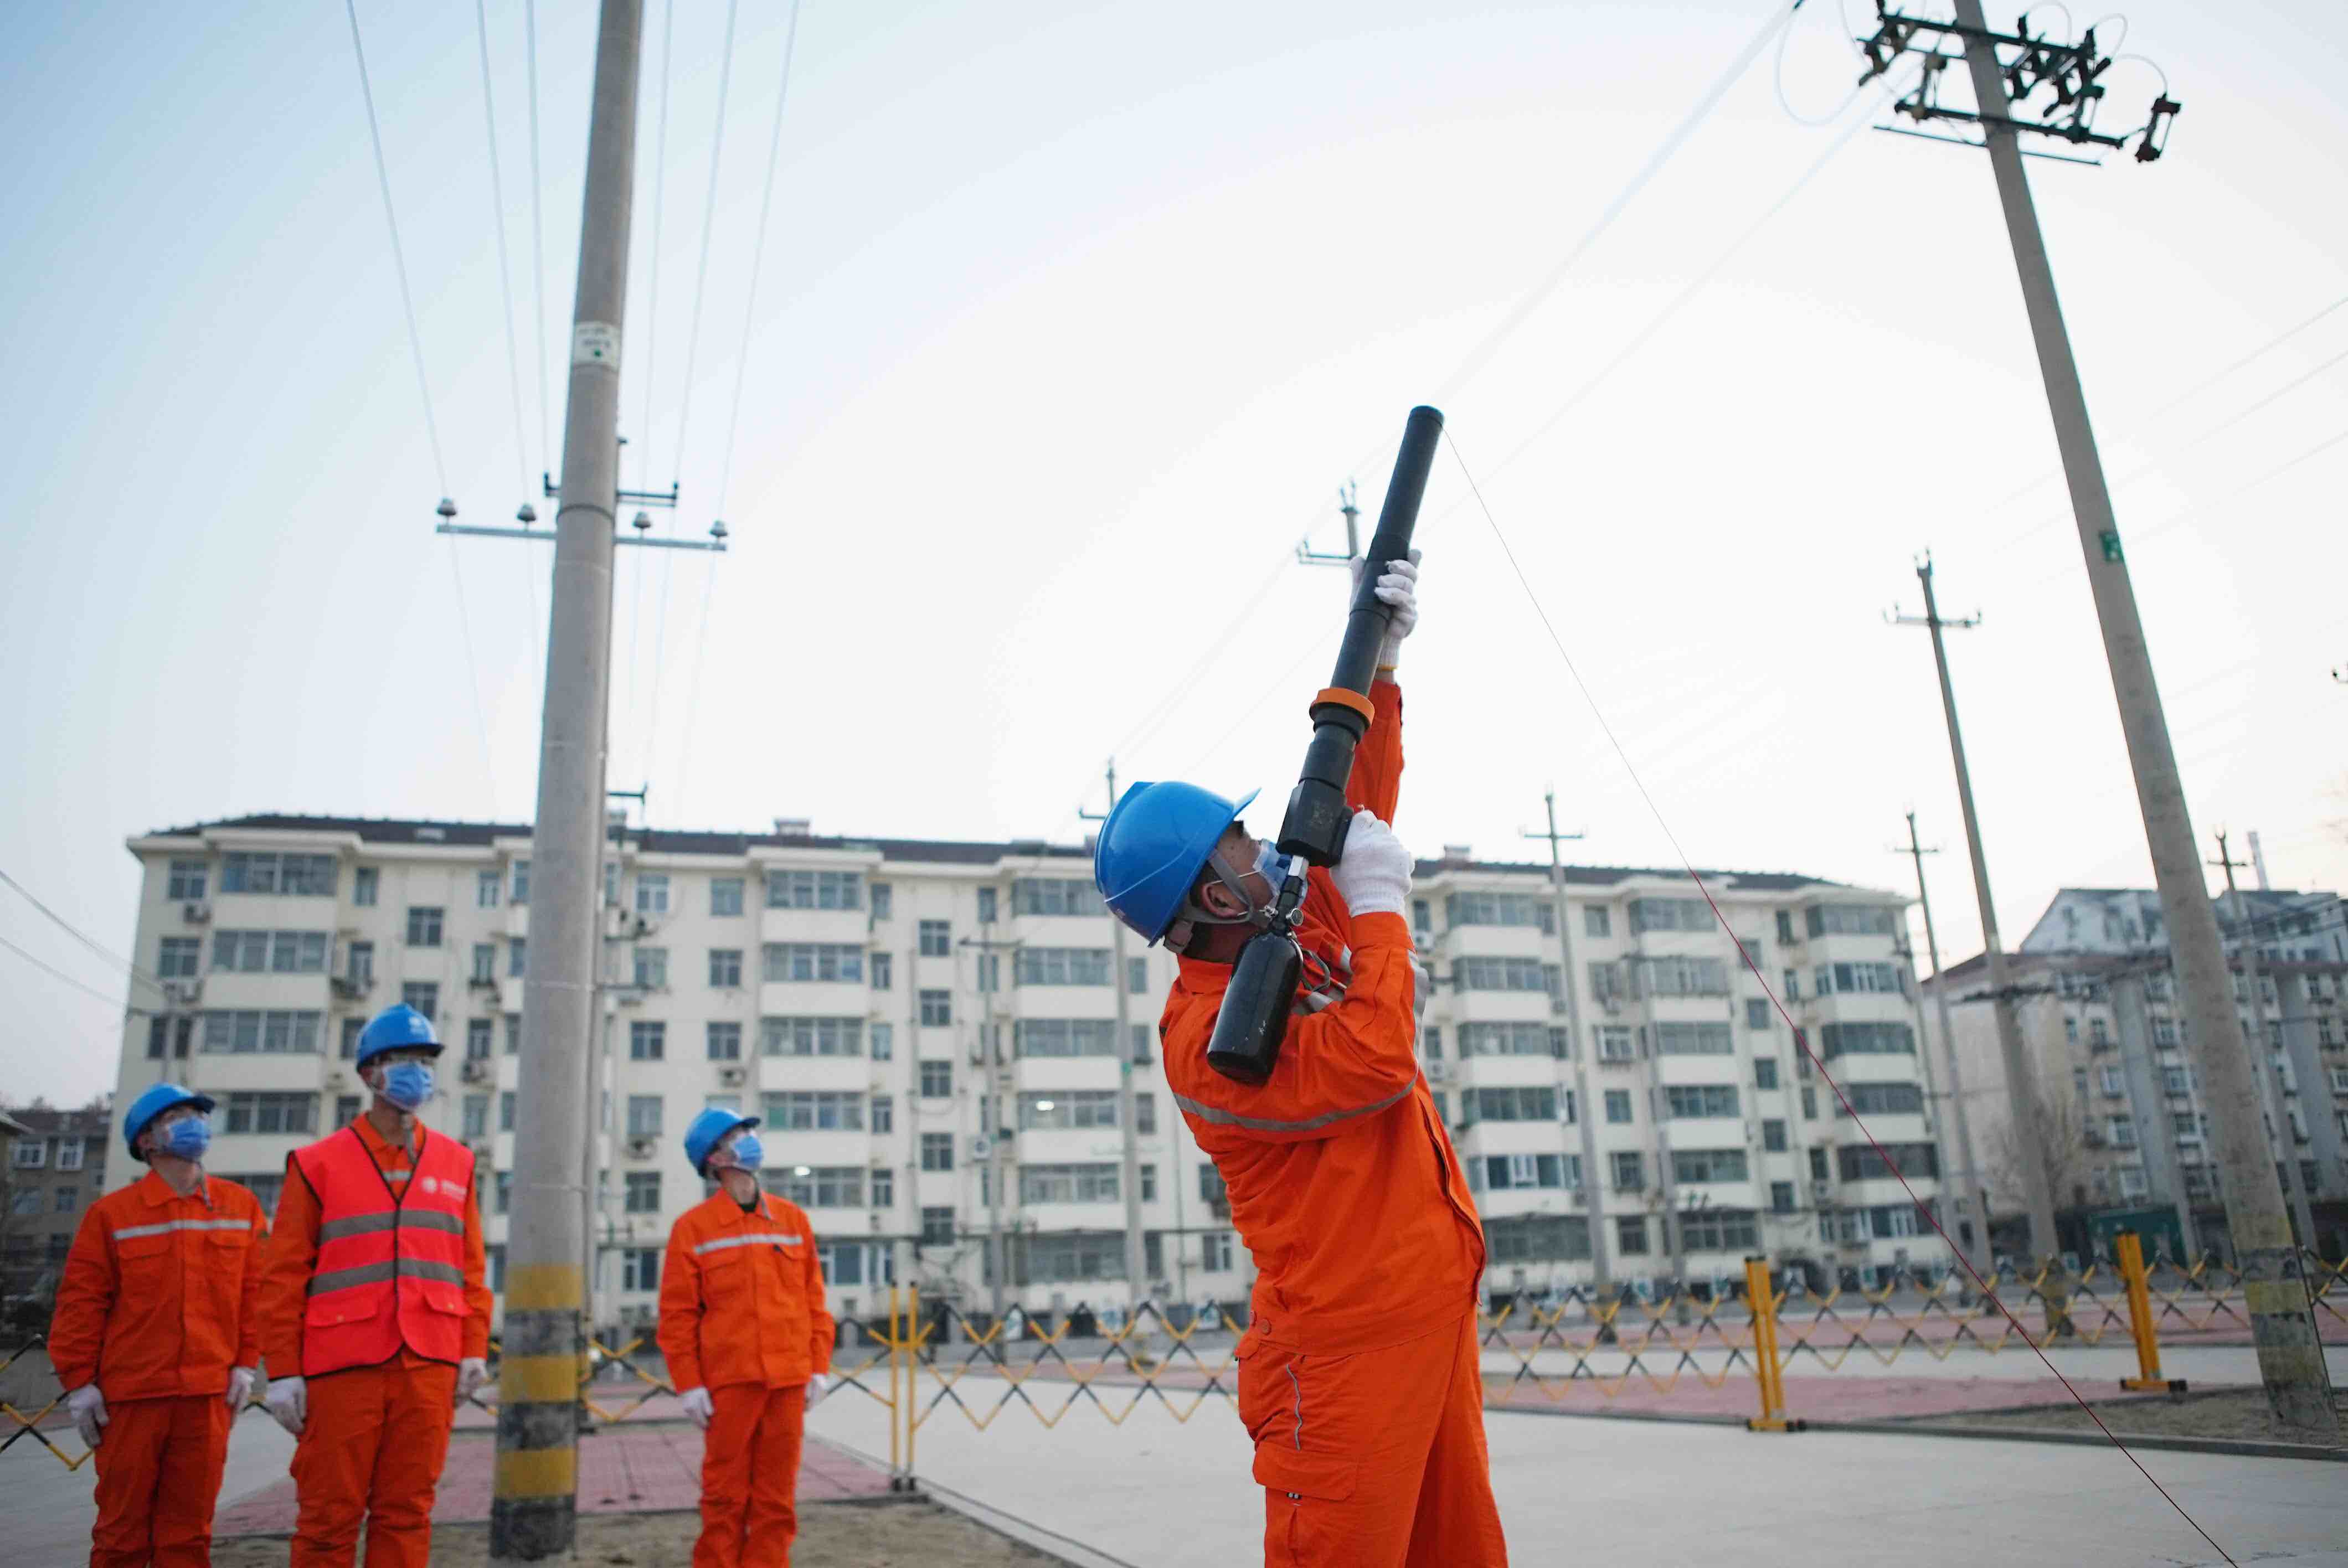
(1342, 1179)
(741, 1296)
(159, 1296)
(294, 1258)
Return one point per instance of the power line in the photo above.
(734, 418)
(692, 356)
(60, 974)
(1478, 357)
(537, 264)
(651, 339)
(505, 290)
(79, 935)
(398, 256)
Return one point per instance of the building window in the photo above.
(1764, 1072)
(936, 938)
(1062, 966)
(1527, 1105)
(644, 1115)
(820, 1110)
(726, 969)
(1687, 1099)
(1859, 979)
(1757, 1012)
(189, 879)
(1866, 1163)
(884, 906)
(358, 963)
(1055, 895)
(1773, 1137)
(815, 890)
(1628, 1170)
(517, 957)
(884, 970)
(937, 1008)
(640, 1269)
(1596, 921)
(1091, 1184)
(505, 1111)
(424, 995)
(310, 875)
(1882, 1100)
(1781, 1197)
(647, 1041)
(1819, 1165)
(1614, 1042)
(1618, 1107)
(269, 952)
(1699, 1166)
(884, 1114)
(1694, 1040)
(485, 963)
(1504, 1040)
(937, 1151)
(1499, 909)
(1483, 974)
(273, 1113)
(181, 959)
(352, 1029)
(937, 1227)
(513, 1034)
(1511, 1173)
(884, 1041)
(937, 1079)
(1809, 1104)
(423, 926)
(520, 893)
(782, 962)
(811, 1036)
(250, 1031)
(724, 1041)
(1631, 1233)
(1071, 1108)
(1867, 1039)
(477, 1117)
(652, 968)
(487, 885)
(479, 1034)
(363, 883)
(651, 893)
(1714, 1230)
(347, 1111)
(1215, 1252)
(726, 896)
(644, 1191)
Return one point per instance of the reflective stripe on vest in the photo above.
(128, 1232)
(757, 1238)
(390, 1270)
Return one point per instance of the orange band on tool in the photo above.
(1344, 698)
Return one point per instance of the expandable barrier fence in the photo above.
(1721, 1349)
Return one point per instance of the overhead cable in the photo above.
(79, 935)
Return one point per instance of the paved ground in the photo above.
(47, 1507)
(1158, 1495)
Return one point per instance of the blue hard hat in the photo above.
(153, 1103)
(397, 1028)
(1153, 847)
(707, 1129)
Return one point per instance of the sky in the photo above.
(1068, 322)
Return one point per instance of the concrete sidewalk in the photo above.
(49, 1509)
(1155, 1493)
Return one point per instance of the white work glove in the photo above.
(697, 1406)
(1397, 589)
(87, 1407)
(288, 1399)
(471, 1373)
(240, 1381)
(817, 1386)
(1373, 873)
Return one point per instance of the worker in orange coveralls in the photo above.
(749, 1343)
(1359, 1378)
(374, 1309)
(156, 1336)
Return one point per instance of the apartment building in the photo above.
(2102, 1017)
(52, 1164)
(929, 1029)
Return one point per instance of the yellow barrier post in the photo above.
(913, 1333)
(896, 1480)
(2148, 1338)
(1762, 1303)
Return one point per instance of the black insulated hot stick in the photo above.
(1255, 1017)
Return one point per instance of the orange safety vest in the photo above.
(391, 1260)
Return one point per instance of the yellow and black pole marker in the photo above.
(1249, 1030)
(533, 1513)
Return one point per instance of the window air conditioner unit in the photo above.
(641, 1148)
(184, 992)
(196, 914)
(731, 1077)
(980, 1146)
(1438, 1071)
(477, 1073)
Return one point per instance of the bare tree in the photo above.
(2060, 1139)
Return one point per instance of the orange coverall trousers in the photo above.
(750, 1476)
(371, 1453)
(1375, 1459)
(158, 1473)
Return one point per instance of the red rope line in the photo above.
(1801, 1039)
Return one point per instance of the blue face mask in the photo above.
(746, 1151)
(1272, 865)
(408, 1084)
(187, 1139)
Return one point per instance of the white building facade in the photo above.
(929, 1031)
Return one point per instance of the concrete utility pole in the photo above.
(2277, 1113)
(1137, 1277)
(1585, 1112)
(533, 1516)
(1974, 1245)
(2290, 1358)
(1005, 1125)
(2033, 1132)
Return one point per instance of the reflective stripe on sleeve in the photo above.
(1268, 1125)
(130, 1233)
(757, 1238)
